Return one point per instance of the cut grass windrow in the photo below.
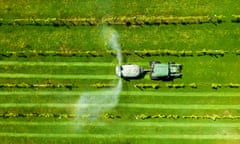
(138, 124)
(48, 76)
(123, 105)
(116, 20)
(141, 53)
(127, 93)
(110, 136)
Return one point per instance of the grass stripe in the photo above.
(125, 105)
(34, 63)
(189, 94)
(177, 106)
(139, 124)
(107, 136)
(127, 93)
(43, 63)
(49, 76)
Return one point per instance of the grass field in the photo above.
(45, 70)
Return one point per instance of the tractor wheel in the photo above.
(181, 67)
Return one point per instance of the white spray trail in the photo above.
(111, 37)
(94, 104)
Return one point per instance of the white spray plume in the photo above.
(94, 104)
(111, 40)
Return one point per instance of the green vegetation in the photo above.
(99, 8)
(52, 53)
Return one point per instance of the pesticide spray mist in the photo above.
(94, 104)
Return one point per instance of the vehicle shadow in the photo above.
(136, 78)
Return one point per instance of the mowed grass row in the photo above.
(109, 131)
(134, 102)
(132, 109)
(121, 105)
(201, 70)
(136, 128)
(128, 113)
(133, 97)
(179, 37)
(51, 76)
(120, 139)
(101, 8)
(62, 70)
(89, 139)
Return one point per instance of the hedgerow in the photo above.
(210, 52)
(182, 85)
(117, 116)
(193, 85)
(237, 52)
(64, 53)
(102, 85)
(164, 52)
(109, 85)
(156, 86)
(216, 85)
(30, 85)
(236, 18)
(232, 85)
(140, 53)
(174, 116)
(144, 85)
(115, 20)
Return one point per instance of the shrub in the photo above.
(193, 85)
(143, 116)
(216, 85)
(109, 116)
(173, 53)
(237, 52)
(152, 85)
(215, 52)
(202, 52)
(232, 85)
(169, 85)
(102, 85)
(23, 85)
(236, 18)
(179, 85)
(156, 116)
(9, 85)
(64, 116)
(125, 52)
(185, 53)
(155, 86)
(69, 86)
(10, 115)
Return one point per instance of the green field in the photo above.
(55, 53)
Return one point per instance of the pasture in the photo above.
(54, 53)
